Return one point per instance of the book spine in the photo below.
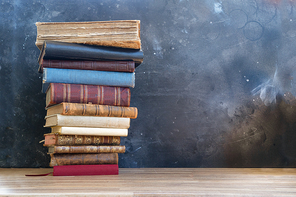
(118, 66)
(75, 109)
(87, 149)
(89, 131)
(75, 93)
(88, 77)
(83, 159)
(84, 170)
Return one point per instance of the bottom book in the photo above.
(85, 170)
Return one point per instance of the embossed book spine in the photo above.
(89, 131)
(118, 66)
(86, 149)
(68, 140)
(84, 170)
(76, 93)
(83, 159)
(79, 109)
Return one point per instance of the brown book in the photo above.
(68, 140)
(95, 94)
(83, 159)
(80, 109)
(86, 149)
(121, 33)
(119, 66)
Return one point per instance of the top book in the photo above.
(121, 33)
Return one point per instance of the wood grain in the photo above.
(154, 182)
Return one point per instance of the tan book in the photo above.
(121, 33)
(86, 121)
(86, 149)
(89, 131)
(80, 109)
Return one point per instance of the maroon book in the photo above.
(119, 66)
(84, 170)
(95, 94)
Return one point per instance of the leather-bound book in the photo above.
(72, 51)
(76, 93)
(51, 139)
(85, 170)
(80, 109)
(119, 33)
(118, 66)
(85, 149)
(83, 159)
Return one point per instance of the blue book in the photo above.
(88, 77)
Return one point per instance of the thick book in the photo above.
(52, 139)
(80, 109)
(85, 149)
(83, 159)
(118, 66)
(76, 93)
(120, 33)
(89, 131)
(86, 121)
(72, 51)
(85, 170)
(88, 77)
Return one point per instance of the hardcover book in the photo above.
(120, 33)
(86, 121)
(76, 93)
(84, 170)
(80, 109)
(85, 149)
(51, 139)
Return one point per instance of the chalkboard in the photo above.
(216, 87)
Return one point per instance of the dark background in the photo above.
(202, 59)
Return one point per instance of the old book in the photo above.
(121, 33)
(51, 139)
(86, 121)
(72, 51)
(83, 159)
(76, 93)
(85, 149)
(118, 66)
(85, 170)
(80, 109)
(89, 131)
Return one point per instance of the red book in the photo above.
(119, 66)
(84, 170)
(95, 94)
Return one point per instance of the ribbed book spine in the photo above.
(86, 149)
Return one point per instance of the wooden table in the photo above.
(153, 182)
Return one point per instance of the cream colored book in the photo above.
(87, 121)
(89, 131)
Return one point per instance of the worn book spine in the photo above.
(88, 77)
(85, 170)
(51, 139)
(73, 51)
(118, 66)
(83, 159)
(75, 93)
(79, 109)
(89, 131)
(86, 149)
(87, 121)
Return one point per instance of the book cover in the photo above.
(86, 121)
(83, 159)
(119, 33)
(76, 93)
(89, 131)
(118, 66)
(85, 170)
(80, 109)
(51, 139)
(85, 149)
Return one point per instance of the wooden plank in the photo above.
(154, 182)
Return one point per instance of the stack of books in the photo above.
(88, 69)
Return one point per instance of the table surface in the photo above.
(153, 182)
